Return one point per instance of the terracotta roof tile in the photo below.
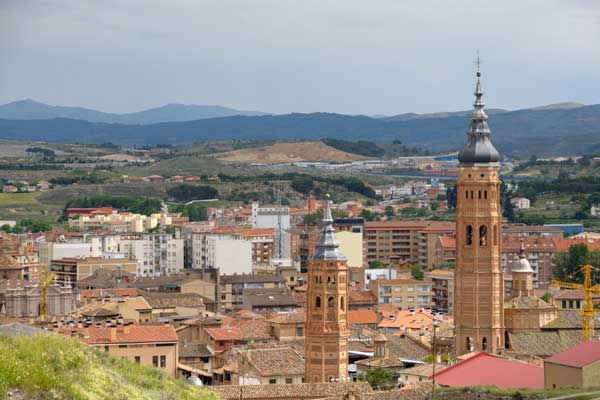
(124, 334)
(275, 361)
(224, 333)
(362, 317)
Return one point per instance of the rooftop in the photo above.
(362, 317)
(252, 278)
(482, 370)
(578, 356)
(128, 334)
(275, 361)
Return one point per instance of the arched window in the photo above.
(318, 302)
(483, 235)
(469, 235)
(479, 195)
(342, 305)
(506, 340)
(484, 344)
(472, 194)
(330, 302)
(485, 194)
(469, 344)
(466, 194)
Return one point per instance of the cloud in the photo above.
(298, 55)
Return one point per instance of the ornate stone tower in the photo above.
(326, 342)
(522, 276)
(479, 281)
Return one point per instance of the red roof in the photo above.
(128, 334)
(362, 317)
(230, 333)
(486, 369)
(578, 356)
(563, 244)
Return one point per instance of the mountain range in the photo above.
(31, 109)
(560, 129)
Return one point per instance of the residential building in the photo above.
(428, 238)
(288, 326)
(521, 203)
(231, 254)
(274, 366)
(119, 222)
(577, 367)
(148, 345)
(71, 270)
(273, 300)
(521, 230)
(49, 251)
(572, 299)
(478, 278)
(404, 293)
(445, 248)
(443, 288)
(232, 287)
(539, 252)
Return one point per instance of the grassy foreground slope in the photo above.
(49, 366)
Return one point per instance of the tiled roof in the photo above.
(404, 320)
(275, 362)
(137, 303)
(446, 273)
(541, 344)
(268, 298)
(361, 297)
(7, 262)
(571, 294)
(362, 317)
(294, 317)
(102, 293)
(254, 330)
(483, 368)
(567, 319)
(171, 300)
(528, 302)
(381, 362)
(425, 370)
(252, 278)
(563, 244)
(124, 334)
(297, 391)
(578, 356)
(194, 350)
(225, 333)
(405, 348)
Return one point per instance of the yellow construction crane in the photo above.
(45, 282)
(588, 306)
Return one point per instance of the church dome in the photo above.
(522, 264)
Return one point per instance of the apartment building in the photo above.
(156, 254)
(523, 230)
(445, 248)
(49, 251)
(232, 287)
(228, 252)
(148, 345)
(409, 241)
(443, 288)
(71, 270)
(404, 293)
(119, 222)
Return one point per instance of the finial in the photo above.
(522, 249)
(478, 64)
(327, 218)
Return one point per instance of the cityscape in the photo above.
(193, 251)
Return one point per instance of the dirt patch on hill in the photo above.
(289, 152)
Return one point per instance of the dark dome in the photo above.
(479, 150)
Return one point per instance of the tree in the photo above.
(376, 264)
(566, 265)
(188, 192)
(508, 210)
(378, 378)
(302, 184)
(195, 212)
(417, 272)
(389, 211)
(316, 217)
(451, 196)
(434, 206)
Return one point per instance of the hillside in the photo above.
(546, 131)
(283, 152)
(52, 366)
(29, 109)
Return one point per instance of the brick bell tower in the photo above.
(326, 344)
(479, 281)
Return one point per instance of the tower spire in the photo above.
(479, 149)
(328, 247)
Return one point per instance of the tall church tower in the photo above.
(479, 281)
(326, 341)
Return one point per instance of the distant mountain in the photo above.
(555, 130)
(30, 109)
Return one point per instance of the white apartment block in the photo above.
(120, 222)
(157, 254)
(231, 254)
(49, 251)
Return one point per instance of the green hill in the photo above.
(48, 366)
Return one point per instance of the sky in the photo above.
(345, 56)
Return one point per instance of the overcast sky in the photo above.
(347, 56)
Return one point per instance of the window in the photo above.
(342, 305)
(106, 347)
(272, 381)
(155, 361)
(484, 344)
(485, 194)
(288, 380)
(483, 235)
(318, 302)
(330, 302)
(137, 359)
(163, 361)
(469, 235)
(299, 331)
